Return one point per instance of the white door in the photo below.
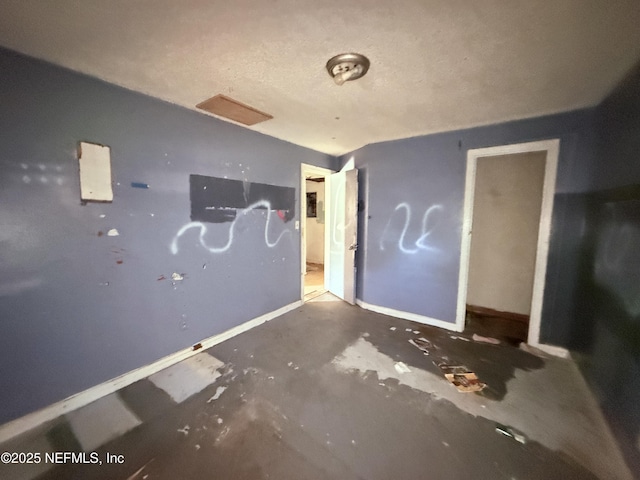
(343, 229)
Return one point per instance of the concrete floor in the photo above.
(317, 394)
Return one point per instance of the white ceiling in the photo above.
(435, 65)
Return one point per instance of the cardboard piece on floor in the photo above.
(460, 377)
(453, 369)
(465, 382)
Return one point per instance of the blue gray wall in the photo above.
(78, 307)
(413, 190)
(592, 294)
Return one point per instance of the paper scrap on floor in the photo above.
(422, 344)
(401, 367)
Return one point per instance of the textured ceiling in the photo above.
(435, 65)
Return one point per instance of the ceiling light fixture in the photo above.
(347, 67)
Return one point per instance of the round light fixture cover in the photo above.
(347, 67)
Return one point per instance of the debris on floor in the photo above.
(176, 277)
(481, 339)
(465, 382)
(224, 433)
(455, 369)
(219, 391)
(458, 337)
(422, 344)
(184, 430)
(461, 378)
(510, 432)
(139, 471)
(401, 367)
(393, 329)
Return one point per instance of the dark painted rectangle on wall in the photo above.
(216, 200)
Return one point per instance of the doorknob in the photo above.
(354, 246)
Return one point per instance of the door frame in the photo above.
(552, 148)
(305, 171)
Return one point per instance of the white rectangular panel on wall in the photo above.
(95, 172)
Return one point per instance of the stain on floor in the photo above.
(314, 395)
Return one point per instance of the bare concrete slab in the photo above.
(552, 406)
(188, 377)
(101, 421)
(315, 395)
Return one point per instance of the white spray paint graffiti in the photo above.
(227, 246)
(428, 225)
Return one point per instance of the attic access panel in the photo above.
(226, 107)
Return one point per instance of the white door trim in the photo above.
(305, 171)
(552, 148)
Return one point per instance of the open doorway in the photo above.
(340, 222)
(314, 237)
(506, 218)
(314, 201)
(505, 237)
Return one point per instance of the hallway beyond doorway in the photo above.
(314, 281)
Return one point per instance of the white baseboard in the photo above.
(433, 322)
(35, 419)
(552, 350)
